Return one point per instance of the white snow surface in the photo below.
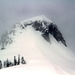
(40, 68)
(42, 57)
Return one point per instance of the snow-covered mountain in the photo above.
(41, 43)
(40, 23)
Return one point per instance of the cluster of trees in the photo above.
(8, 63)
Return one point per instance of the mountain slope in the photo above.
(38, 44)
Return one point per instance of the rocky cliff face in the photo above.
(47, 29)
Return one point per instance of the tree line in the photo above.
(8, 63)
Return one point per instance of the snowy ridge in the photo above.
(37, 18)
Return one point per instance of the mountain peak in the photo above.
(37, 18)
(38, 23)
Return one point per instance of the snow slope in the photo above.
(42, 57)
(34, 69)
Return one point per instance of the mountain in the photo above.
(41, 24)
(41, 43)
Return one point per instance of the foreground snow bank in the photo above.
(44, 67)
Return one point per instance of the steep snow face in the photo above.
(36, 41)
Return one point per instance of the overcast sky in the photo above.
(61, 12)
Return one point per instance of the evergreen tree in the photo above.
(15, 61)
(4, 64)
(18, 59)
(0, 64)
(7, 63)
(23, 61)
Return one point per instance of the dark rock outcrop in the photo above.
(49, 29)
